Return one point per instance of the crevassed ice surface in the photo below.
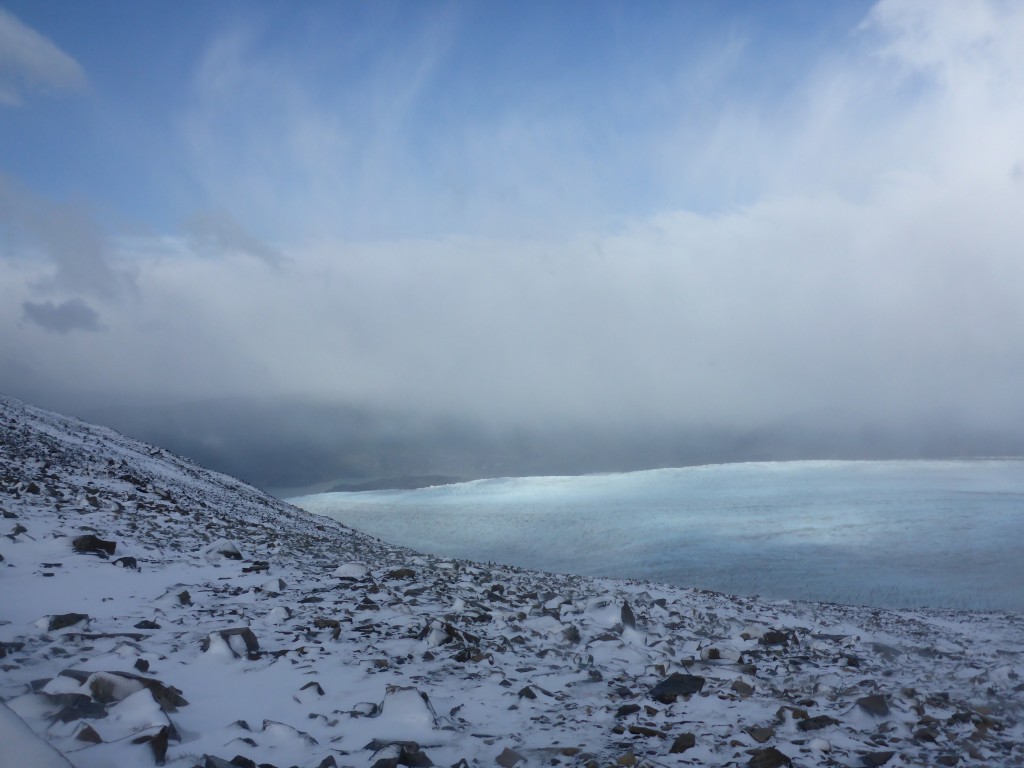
(897, 534)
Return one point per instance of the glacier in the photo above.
(890, 534)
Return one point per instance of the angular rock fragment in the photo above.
(396, 753)
(769, 757)
(223, 549)
(93, 545)
(876, 759)
(65, 620)
(816, 723)
(742, 688)
(88, 734)
(676, 685)
(626, 614)
(321, 622)
(643, 730)
(238, 641)
(509, 758)
(683, 742)
(760, 734)
(875, 704)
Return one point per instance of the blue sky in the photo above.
(714, 212)
(436, 113)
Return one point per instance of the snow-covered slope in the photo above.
(154, 612)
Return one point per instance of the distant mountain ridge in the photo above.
(402, 483)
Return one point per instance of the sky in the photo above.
(522, 216)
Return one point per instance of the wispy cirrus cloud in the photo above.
(29, 62)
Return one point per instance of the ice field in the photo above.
(895, 534)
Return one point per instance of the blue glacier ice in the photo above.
(898, 534)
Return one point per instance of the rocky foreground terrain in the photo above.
(153, 612)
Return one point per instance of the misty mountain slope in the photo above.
(153, 612)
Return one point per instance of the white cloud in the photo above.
(31, 62)
(876, 270)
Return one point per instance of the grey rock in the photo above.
(875, 704)
(683, 742)
(93, 545)
(676, 685)
(817, 723)
(769, 757)
(65, 620)
(876, 759)
(508, 758)
(760, 734)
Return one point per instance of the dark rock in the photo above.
(875, 704)
(127, 562)
(508, 758)
(743, 689)
(147, 624)
(640, 730)
(159, 745)
(93, 545)
(65, 620)
(88, 734)
(816, 723)
(627, 709)
(328, 762)
(628, 619)
(167, 696)
(246, 635)
(400, 573)
(571, 634)
(527, 693)
(227, 549)
(683, 742)
(774, 637)
(77, 706)
(324, 623)
(407, 753)
(212, 761)
(676, 685)
(769, 757)
(876, 759)
(142, 665)
(760, 734)
(243, 762)
(184, 598)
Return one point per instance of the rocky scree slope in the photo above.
(153, 612)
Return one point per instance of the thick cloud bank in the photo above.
(842, 250)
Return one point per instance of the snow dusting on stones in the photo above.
(156, 613)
